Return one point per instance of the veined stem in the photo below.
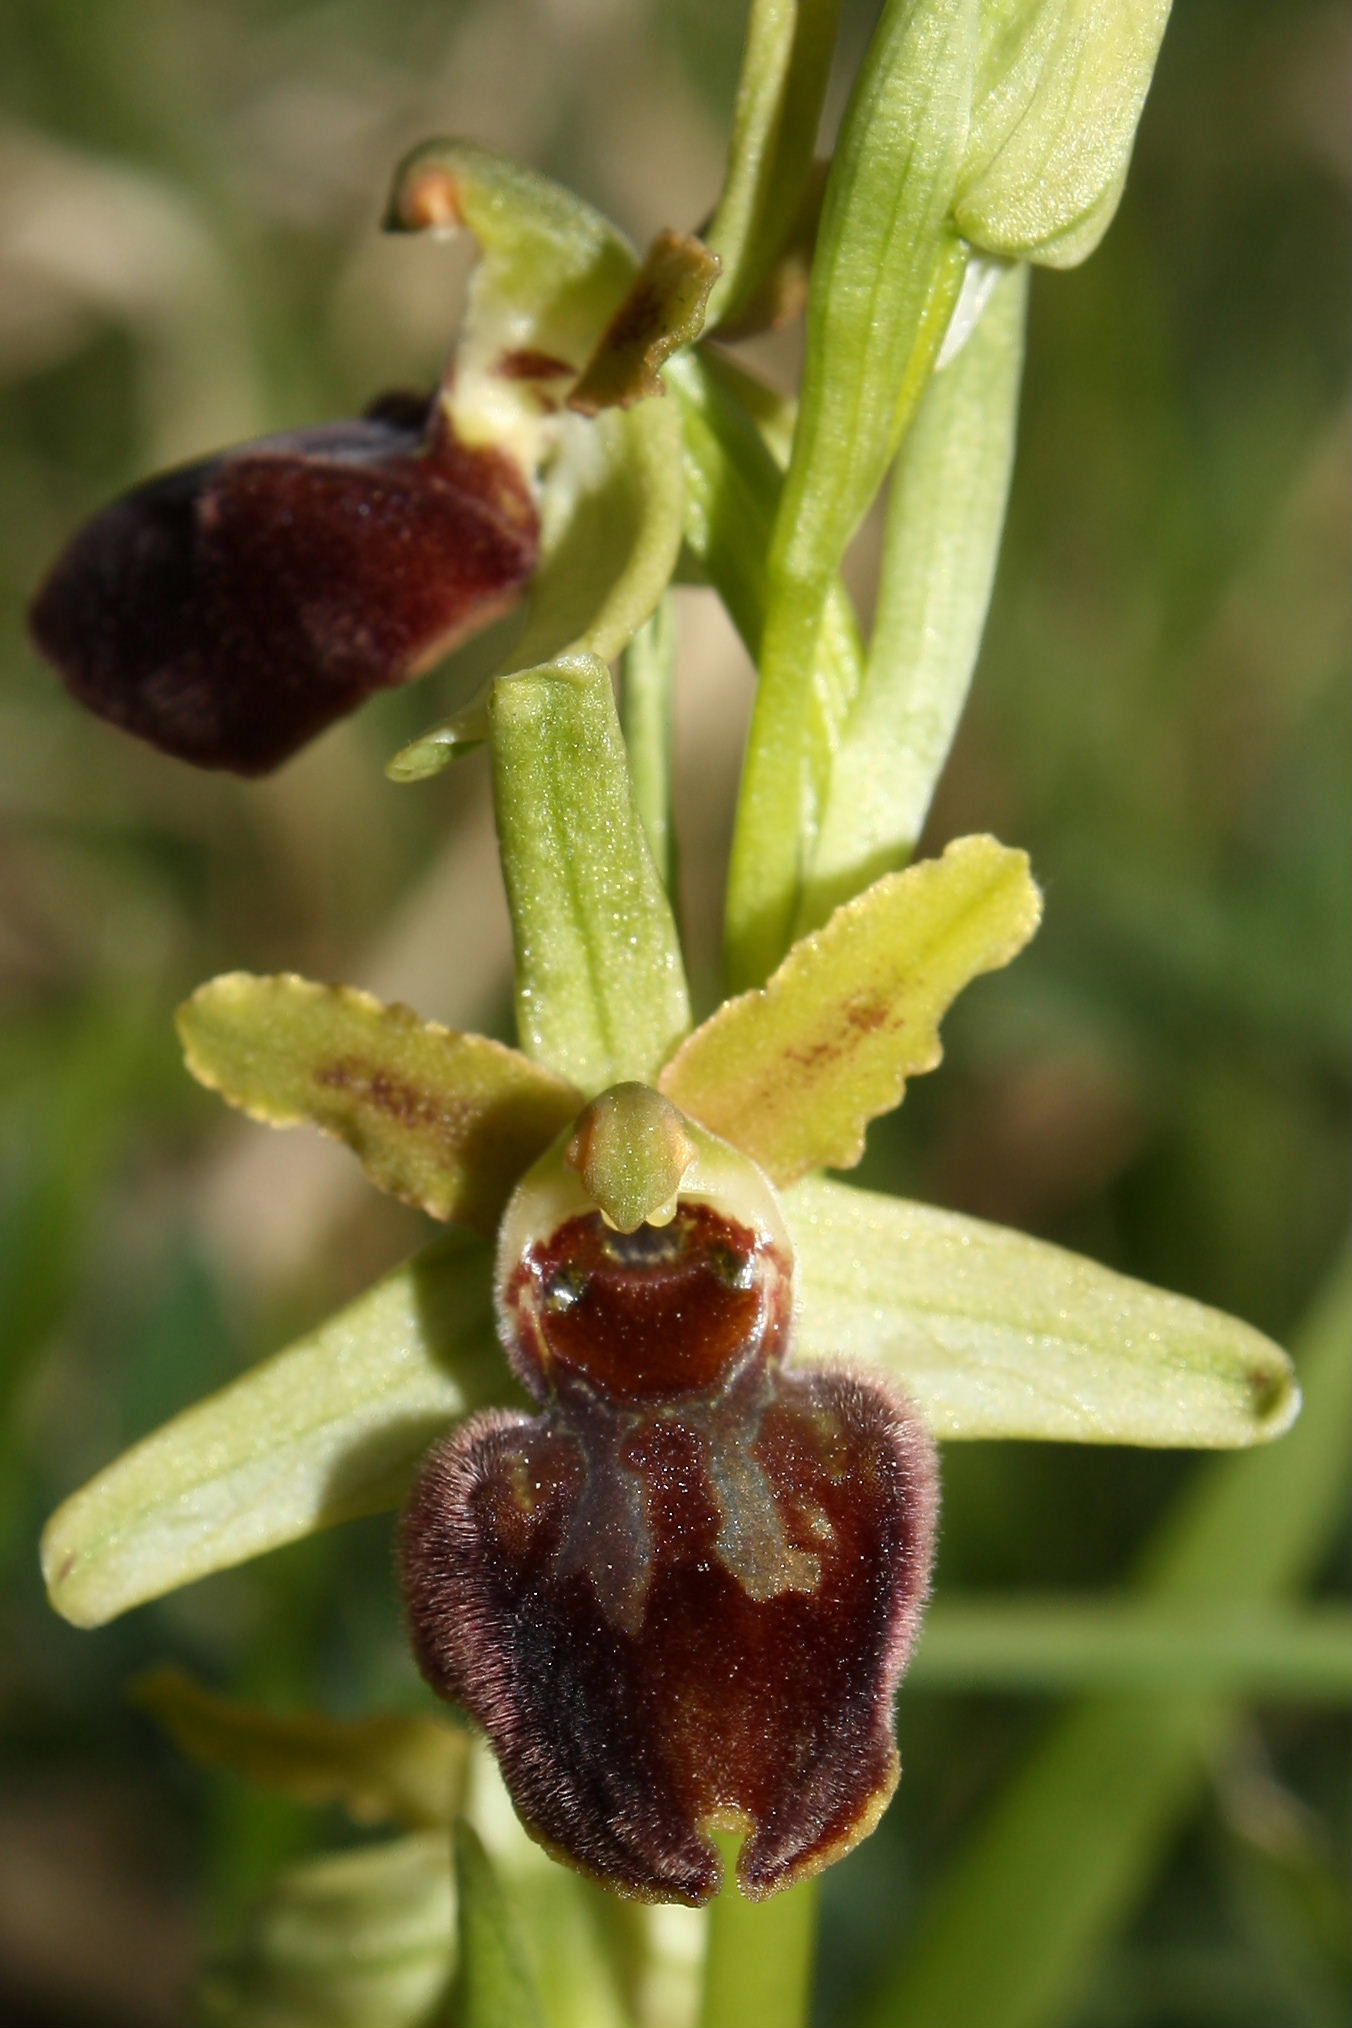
(647, 704)
(758, 1968)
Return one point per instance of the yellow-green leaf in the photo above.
(401, 1765)
(793, 1071)
(445, 1121)
(326, 1430)
(994, 1334)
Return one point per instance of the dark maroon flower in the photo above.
(680, 1597)
(229, 611)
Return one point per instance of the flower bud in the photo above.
(229, 611)
(1058, 94)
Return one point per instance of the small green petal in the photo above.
(348, 1941)
(663, 312)
(445, 1121)
(326, 1430)
(994, 1334)
(494, 1987)
(601, 995)
(400, 1765)
(793, 1071)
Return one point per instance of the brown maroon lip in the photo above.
(230, 610)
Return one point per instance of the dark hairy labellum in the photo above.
(229, 611)
(678, 1598)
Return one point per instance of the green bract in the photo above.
(600, 984)
(406, 1767)
(1004, 128)
(779, 101)
(348, 1940)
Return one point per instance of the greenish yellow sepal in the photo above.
(445, 1121)
(994, 1334)
(403, 1766)
(793, 1072)
(324, 1431)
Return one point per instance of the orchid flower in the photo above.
(670, 1552)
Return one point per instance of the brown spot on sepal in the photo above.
(229, 611)
(406, 1103)
(677, 1607)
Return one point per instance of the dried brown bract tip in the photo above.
(679, 1598)
(229, 611)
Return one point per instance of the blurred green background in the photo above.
(189, 192)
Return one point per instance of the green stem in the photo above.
(758, 1967)
(886, 275)
(785, 66)
(647, 715)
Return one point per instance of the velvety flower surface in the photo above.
(229, 611)
(680, 1597)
